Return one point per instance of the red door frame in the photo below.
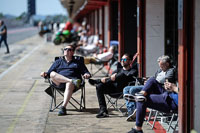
(103, 25)
(141, 37)
(185, 67)
(121, 29)
(109, 22)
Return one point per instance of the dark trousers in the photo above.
(106, 88)
(158, 98)
(152, 86)
(4, 39)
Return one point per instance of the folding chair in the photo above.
(176, 122)
(54, 91)
(112, 101)
(101, 64)
(114, 97)
(151, 113)
(157, 113)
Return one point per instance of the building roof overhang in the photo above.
(79, 8)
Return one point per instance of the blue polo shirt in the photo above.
(73, 69)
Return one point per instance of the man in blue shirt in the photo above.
(66, 73)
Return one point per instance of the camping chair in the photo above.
(112, 101)
(54, 91)
(101, 64)
(113, 98)
(158, 115)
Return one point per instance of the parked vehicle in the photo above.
(65, 37)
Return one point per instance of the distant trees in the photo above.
(56, 18)
(23, 16)
(1, 15)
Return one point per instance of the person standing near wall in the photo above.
(3, 35)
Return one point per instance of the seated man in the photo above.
(66, 73)
(166, 71)
(160, 98)
(83, 38)
(114, 84)
(100, 57)
(90, 46)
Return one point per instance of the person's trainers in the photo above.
(139, 97)
(131, 115)
(76, 82)
(102, 114)
(133, 130)
(129, 97)
(62, 111)
(94, 81)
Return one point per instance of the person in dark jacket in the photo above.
(66, 73)
(115, 83)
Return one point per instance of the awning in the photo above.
(79, 8)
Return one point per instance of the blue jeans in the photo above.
(131, 90)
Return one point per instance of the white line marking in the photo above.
(21, 60)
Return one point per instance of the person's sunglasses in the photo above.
(124, 59)
(68, 49)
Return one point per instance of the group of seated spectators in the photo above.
(158, 92)
(91, 47)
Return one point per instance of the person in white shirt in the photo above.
(100, 57)
(91, 44)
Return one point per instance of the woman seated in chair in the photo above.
(66, 73)
(156, 97)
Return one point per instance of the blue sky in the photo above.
(43, 7)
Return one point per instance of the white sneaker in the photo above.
(129, 97)
(139, 97)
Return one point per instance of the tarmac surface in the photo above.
(24, 106)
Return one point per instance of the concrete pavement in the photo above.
(24, 106)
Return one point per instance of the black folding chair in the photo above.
(54, 91)
(113, 101)
(101, 64)
(113, 98)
